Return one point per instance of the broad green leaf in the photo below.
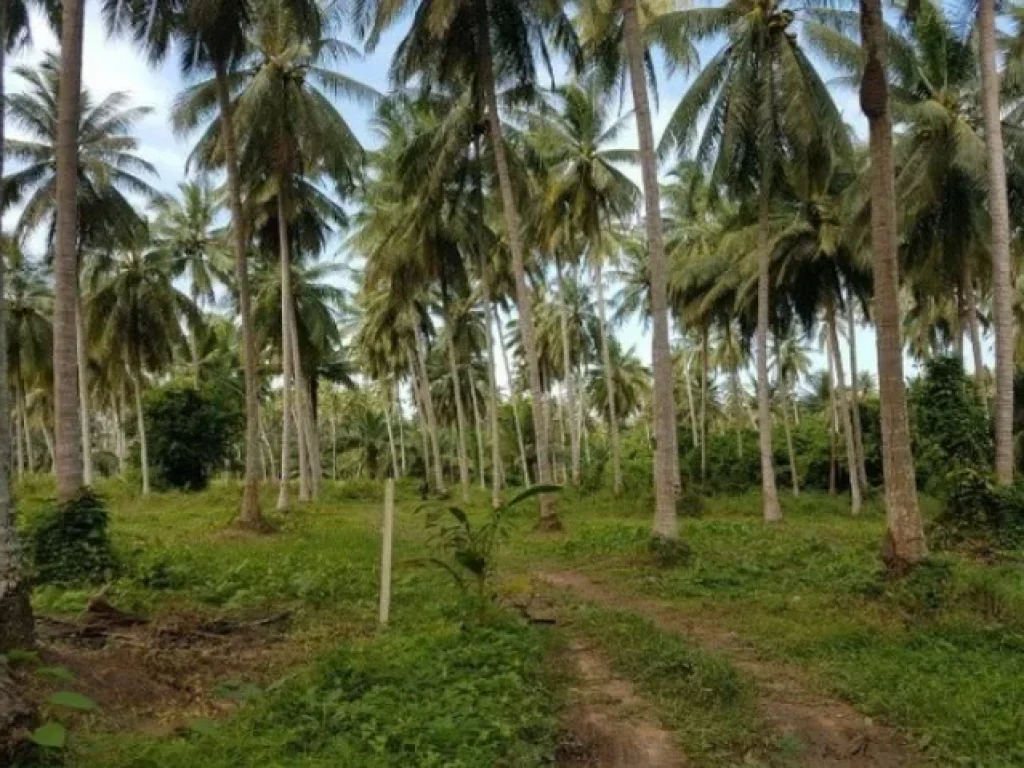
(72, 700)
(56, 673)
(535, 490)
(50, 735)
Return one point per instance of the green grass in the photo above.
(939, 655)
(442, 685)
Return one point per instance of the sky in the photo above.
(114, 65)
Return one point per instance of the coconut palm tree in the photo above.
(135, 316)
(186, 230)
(906, 544)
(212, 35)
(588, 194)
(764, 99)
(110, 173)
(481, 42)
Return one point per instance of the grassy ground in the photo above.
(939, 656)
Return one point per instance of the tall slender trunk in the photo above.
(548, 514)
(287, 373)
(82, 360)
(119, 448)
(704, 405)
(401, 425)
(478, 428)
(905, 538)
(300, 440)
(975, 332)
(27, 432)
(559, 406)
(793, 471)
(497, 466)
(570, 378)
(833, 423)
(17, 628)
(15, 416)
(844, 409)
(141, 421)
(691, 407)
(421, 415)
(391, 442)
(249, 513)
(460, 411)
(858, 430)
(67, 419)
(769, 493)
(609, 378)
(265, 439)
(515, 402)
(193, 337)
(1002, 272)
(666, 524)
(307, 432)
(428, 406)
(51, 448)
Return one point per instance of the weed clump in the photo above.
(669, 553)
(979, 511)
(69, 543)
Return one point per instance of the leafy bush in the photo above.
(977, 508)
(69, 543)
(950, 427)
(190, 432)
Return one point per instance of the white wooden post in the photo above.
(385, 559)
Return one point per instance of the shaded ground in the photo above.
(831, 733)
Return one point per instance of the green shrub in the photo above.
(190, 433)
(69, 543)
(978, 509)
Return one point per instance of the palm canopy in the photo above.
(762, 97)
(110, 170)
(28, 307)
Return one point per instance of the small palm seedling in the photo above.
(469, 552)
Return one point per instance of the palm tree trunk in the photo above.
(515, 402)
(694, 429)
(497, 466)
(391, 442)
(50, 448)
(265, 439)
(460, 411)
(477, 428)
(844, 409)
(666, 524)
(193, 338)
(905, 539)
(704, 405)
(975, 332)
(249, 514)
(769, 493)
(548, 515)
(401, 422)
(287, 376)
(82, 361)
(15, 417)
(67, 419)
(300, 441)
(141, 420)
(428, 406)
(122, 459)
(609, 378)
(570, 383)
(833, 423)
(794, 473)
(1002, 275)
(17, 628)
(307, 431)
(858, 431)
(118, 435)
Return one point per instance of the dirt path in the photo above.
(611, 726)
(832, 733)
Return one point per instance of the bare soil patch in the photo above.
(610, 725)
(831, 732)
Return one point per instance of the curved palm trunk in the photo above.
(306, 426)
(1002, 276)
(844, 410)
(794, 473)
(391, 442)
(691, 407)
(833, 423)
(421, 417)
(606, 362)
(460, 412)
(16, 418)
(271, 470)
(17, 628)
(249, 513)
(428, 406)
(401, 427)
(570, 378)
(666, 524)
(67, 419)
(858, 430)
(905, 542)
(287, 376)
(515, 402)
(548, 514)
(769, 492)
(141, 421)
(975, 332)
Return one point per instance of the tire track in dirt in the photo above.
(831, 732)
